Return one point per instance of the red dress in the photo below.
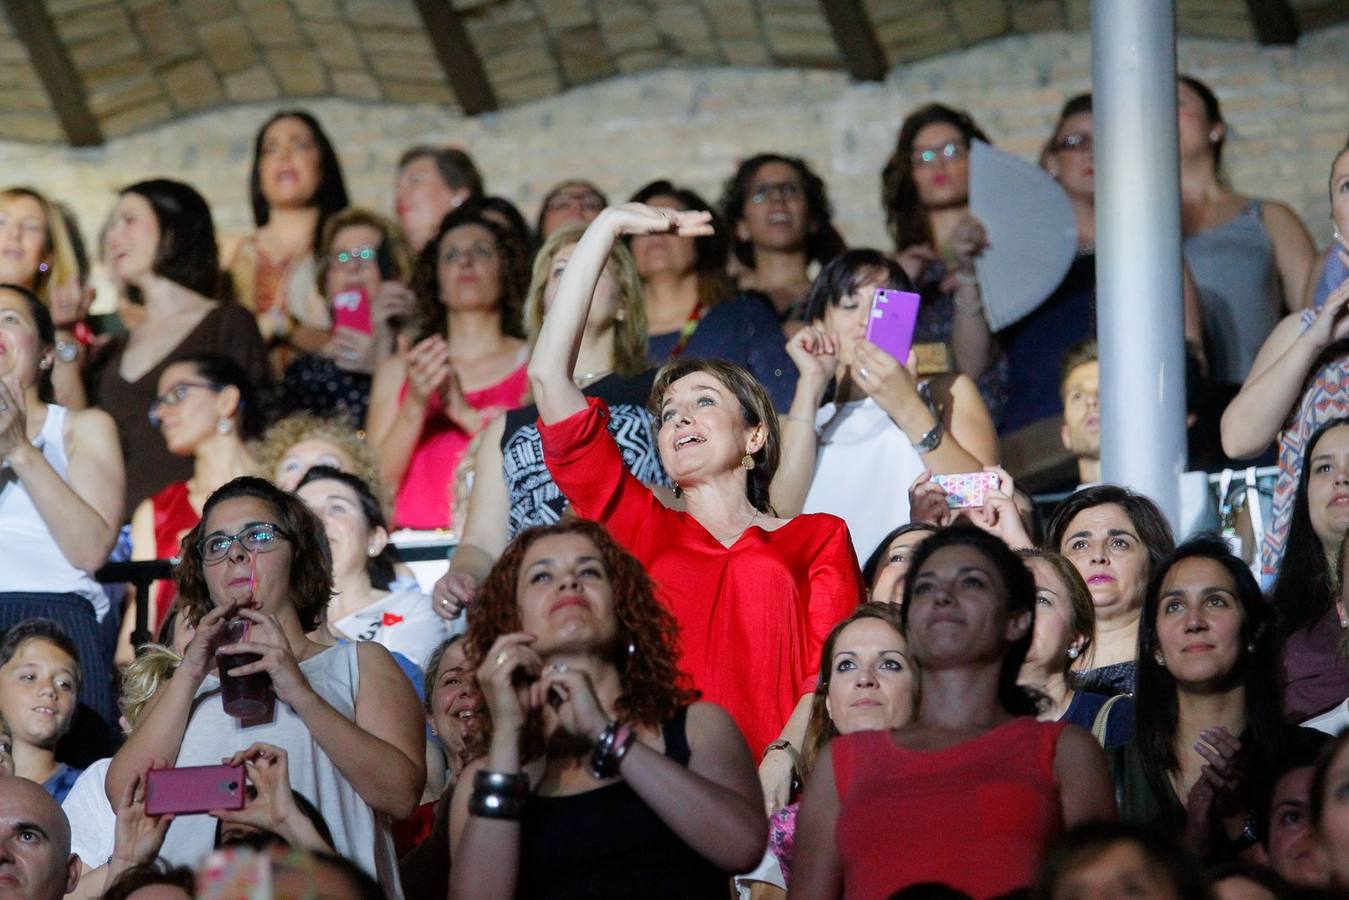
(752, 617)
(976, 816)
(174, 517)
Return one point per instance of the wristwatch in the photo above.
(67, 351)
(928, 442)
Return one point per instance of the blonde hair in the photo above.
(392, 244)
(65, 264)
(629, 330)
(143, 677)
(304, 426)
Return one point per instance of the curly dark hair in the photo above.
(823, 242)
(311, 570)
(431, 315)
(755, 405)
(654, 689)
(905, 216)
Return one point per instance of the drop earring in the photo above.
(747, 461)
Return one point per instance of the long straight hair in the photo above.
(1257, 670)
(1305, 587)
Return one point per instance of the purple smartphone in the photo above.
(194, 789)
(893, 316)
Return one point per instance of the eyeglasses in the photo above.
(175, 395)
(781, 192)
(358, 255)
(255, 537)
(946, 153)
(586, 202)
(1077, 142)
(479, 251)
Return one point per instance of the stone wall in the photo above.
(1288, 109)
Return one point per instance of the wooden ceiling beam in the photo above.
(856, 39)
(458, 57)
(35, 29)
(1274, 21)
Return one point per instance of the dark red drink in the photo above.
(246, 696)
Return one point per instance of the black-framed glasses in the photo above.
(1082, 143)
(175, 395)
(780, 191)
(358, 255)
(951, 151)
(255, 537)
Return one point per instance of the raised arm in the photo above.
(82, 514)
(1294, 251)
(1252, 420)
(554, 359)
(815, 354)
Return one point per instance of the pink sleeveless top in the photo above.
(426, 496)
(976, 816)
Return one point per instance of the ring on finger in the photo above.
(864, 372)
(501, 658)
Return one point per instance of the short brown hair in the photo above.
(392, 245)
(311, 569)
(456, 168)
(654, 689)
(1078, 354)
(755, 405)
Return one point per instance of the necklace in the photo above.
(733, 538)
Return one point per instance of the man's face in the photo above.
(35, 858)
(1082, 411)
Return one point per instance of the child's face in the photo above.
(37, 693)
(6, 752)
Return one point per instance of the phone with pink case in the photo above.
(193, 789)
(351, 309)
(893, 317)
(966, 490)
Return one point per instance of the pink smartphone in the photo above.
(351, 309)
(966, 490)
(893, 317)
(194, 789)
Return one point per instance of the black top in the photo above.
(535, 498)
(607, 843)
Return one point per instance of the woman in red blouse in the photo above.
(754, 594)
(971, 791)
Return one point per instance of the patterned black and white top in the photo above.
(534, 498)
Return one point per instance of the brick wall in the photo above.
(1288, 109)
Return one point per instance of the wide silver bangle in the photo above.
(930, 441)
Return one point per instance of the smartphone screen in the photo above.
(893, 317)
(351, 309)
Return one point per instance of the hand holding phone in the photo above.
(967, 490)
(193, 789)
(351, 309)
(894, 314)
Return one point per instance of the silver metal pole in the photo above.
(1139, 313)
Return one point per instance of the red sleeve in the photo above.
(835, 591)
(588, 468)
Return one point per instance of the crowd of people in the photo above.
(717, 619)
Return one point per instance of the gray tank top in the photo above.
(1233, 268)
(360, 834)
